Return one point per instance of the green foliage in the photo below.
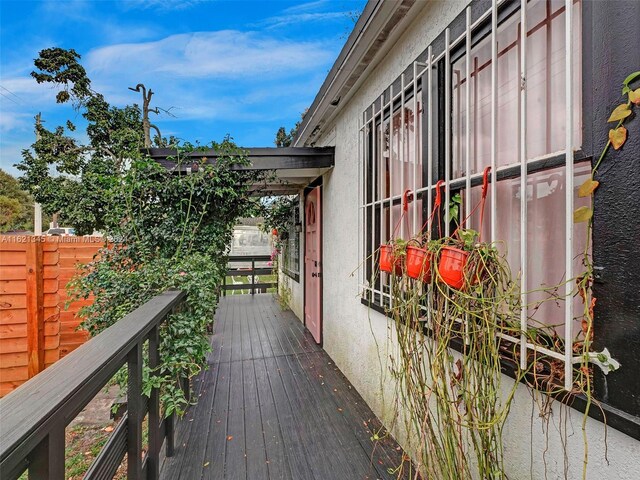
(16, 205)
(69, 178)
(284, 139)
(467, 239)
(167, 228)
(278, 214)
(454, 208)
(61, 67)
(75, 179)
(171, 231)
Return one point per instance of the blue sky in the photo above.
(239, 67)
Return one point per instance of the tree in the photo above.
(16, 205)
(83, 175)
(146, 123)
(284, 139)
(168, 229)
(60, 67)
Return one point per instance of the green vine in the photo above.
(617, 138)
(165, 227)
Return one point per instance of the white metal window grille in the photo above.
(394, 164)
(510, 100)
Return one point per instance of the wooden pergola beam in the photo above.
(294, 167)
(283, 158)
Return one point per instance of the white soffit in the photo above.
(381, 24)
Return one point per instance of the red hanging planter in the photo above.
(454, 260)
(418, 263)
(451, 266)
(389, 262)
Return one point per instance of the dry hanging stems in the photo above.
(456, 402)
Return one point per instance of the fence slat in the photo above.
(35, 309)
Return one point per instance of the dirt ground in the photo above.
(88, 433)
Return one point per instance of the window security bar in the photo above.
(392, 161)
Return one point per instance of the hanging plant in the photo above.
(457, 404)
(277, 215)
(464, 243)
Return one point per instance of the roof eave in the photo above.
(368, 37)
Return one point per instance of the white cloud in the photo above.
(25, 87)
(226, 53)
(162, 5)
(305, 7)
(10, 121)
(21, 99)
(285, 20)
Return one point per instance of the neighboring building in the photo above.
(401, 113)
(249, 240)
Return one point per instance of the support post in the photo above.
(155, 441)
(47, 459)
(135, 413)
(37, 219)
(35, 309)
(170, 434)
(253, 275)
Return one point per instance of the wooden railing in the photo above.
(251, 273)
(34, 416)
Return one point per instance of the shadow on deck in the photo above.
(272, 405)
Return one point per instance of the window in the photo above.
(544, 108)
(394, 164)
(494, 96)
(291, 246)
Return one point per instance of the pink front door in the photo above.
(313, 265)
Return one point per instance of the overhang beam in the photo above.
(294, 167)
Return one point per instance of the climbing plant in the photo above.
(277, 213)
(165, 228)
(173, 232)
(583, 344)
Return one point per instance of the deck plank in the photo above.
(272, 405)
(276, 455)
(190, 428)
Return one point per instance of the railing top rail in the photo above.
(248, 258)
(58, 393)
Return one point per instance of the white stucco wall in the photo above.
(357, 337)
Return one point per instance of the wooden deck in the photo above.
(272, 405)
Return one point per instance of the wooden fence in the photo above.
(35, 328)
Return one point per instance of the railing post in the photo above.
(253, 275)
(224, 284)
(134, 413)
(155, 442)
(169, 433)
(47, 459)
